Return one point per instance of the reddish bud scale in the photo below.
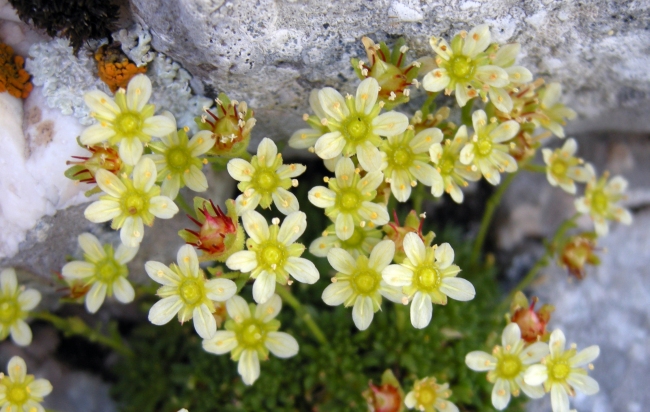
(579, 252)
(532, 324)
(384, 398)
(101, 157)
(212, 232)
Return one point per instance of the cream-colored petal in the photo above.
(444, 255)
(397, 275)
(479, 120)
(315, 105)
(220, 290)
(533, 392)
(290, 170)
(392, 293)
(40, 388)
(362, 312)
(161, 274)
(158, 126)
(436, 80)
(414, 248)
(333, 103)
(536, 375)
(341, 261)
(132, 231)
(29, 299)
(344, 172)
(266, 152)
(102, 104)
(504, 161)
(201, 143)
(585, 356)
(264, 287)
(410, 401)
(506, 55)
(95, 297)
(292, 227)
(505, 131)
(421, 310)
(91, 247)
(246, 203)
(109, 183)
(422, 141)
(268, 310)
(559, 398)
(17, 369)
(366, 97)
(370, 158)
(281, 344)
(21, 334)
(462, 95)
(285, 201)
(240, 170)
(221, 342)
(165, 309)
(195, 179)
(330, 145)
(102, 211)
(552, 93)
(162, 207)
(480, 361)
(244, 261)
(400, 185)
(8, 281)
(495, 76)
(256, 226)
(374, 212)
(171, 185)
(304, 138)
(144, 174)
(511, 335)
(390, 124)
(501, 394)
(616, 185)
(344, 226)
(437, 184)
(477, 40)
(501, 99)
(138, 92)
(467, 154)
(188, 261)
(303, 270)
(77, 270)
(534, 353)
(249, 366)
(130, 150)
(96, 133)
(204, 323)
(381, 255)
(458, 289)
(238, 309)
(557, 343)
(336, 293)
(321, 196)
(519, 75)
(370, 181)
(583, 383)
(123, 290)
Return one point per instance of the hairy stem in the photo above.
(291, 300)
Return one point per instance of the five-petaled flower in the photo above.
(427, 276)
(20, 392)
(15, 304)
(429, 396)
(251, 332)
(272, 254)
(265, 179)
(104, 269)
(130, 203)
(187, 292)
(562, 168)
(359, 282)
(127, 121)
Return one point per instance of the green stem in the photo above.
(418, 198)
(427, 104)
(180, 201)
(75, 326)
(490, 208)
(542, 262)
(291, 300)
(466, 113)
(535, 168)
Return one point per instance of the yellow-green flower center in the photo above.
(402, 156)
(108, 270)
(178, 159)
(427, 278)
(446, 165)
(461, 68)
(509, 366)
(366, 281)
(599, 202)
(484, 146)
(191, 291)
(559, 167)
(134, 202)
(266, 180)
(349, 200)
(357, 129)
(128, 123)
(9, 311)
(426, 397)
(271, 255)
(17, 395)
(355, 241)
(558, 371)
(251, 334)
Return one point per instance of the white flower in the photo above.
(128, 120)
(251, 332)
(551, 113)
(427, 275)
(359, 282)
(272, 254)
(177, 160)
(562, 167)
(464, 67)
(20, 392)
(429, 396)
(601, 200)
(355, 125)
(186, 291)
(407, 158)
(449, 173)
(505, 58)
(265, 179)
(348, 201)
(104, 269)
(306, 138)
(486, 151)
(15, 305)
(507, 365)
(562, 371)
(130, 203)
(361, 242)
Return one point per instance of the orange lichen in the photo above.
(115, 69)
(13, 78)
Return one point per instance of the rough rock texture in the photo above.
(272, 53)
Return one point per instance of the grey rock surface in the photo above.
(272, 53)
